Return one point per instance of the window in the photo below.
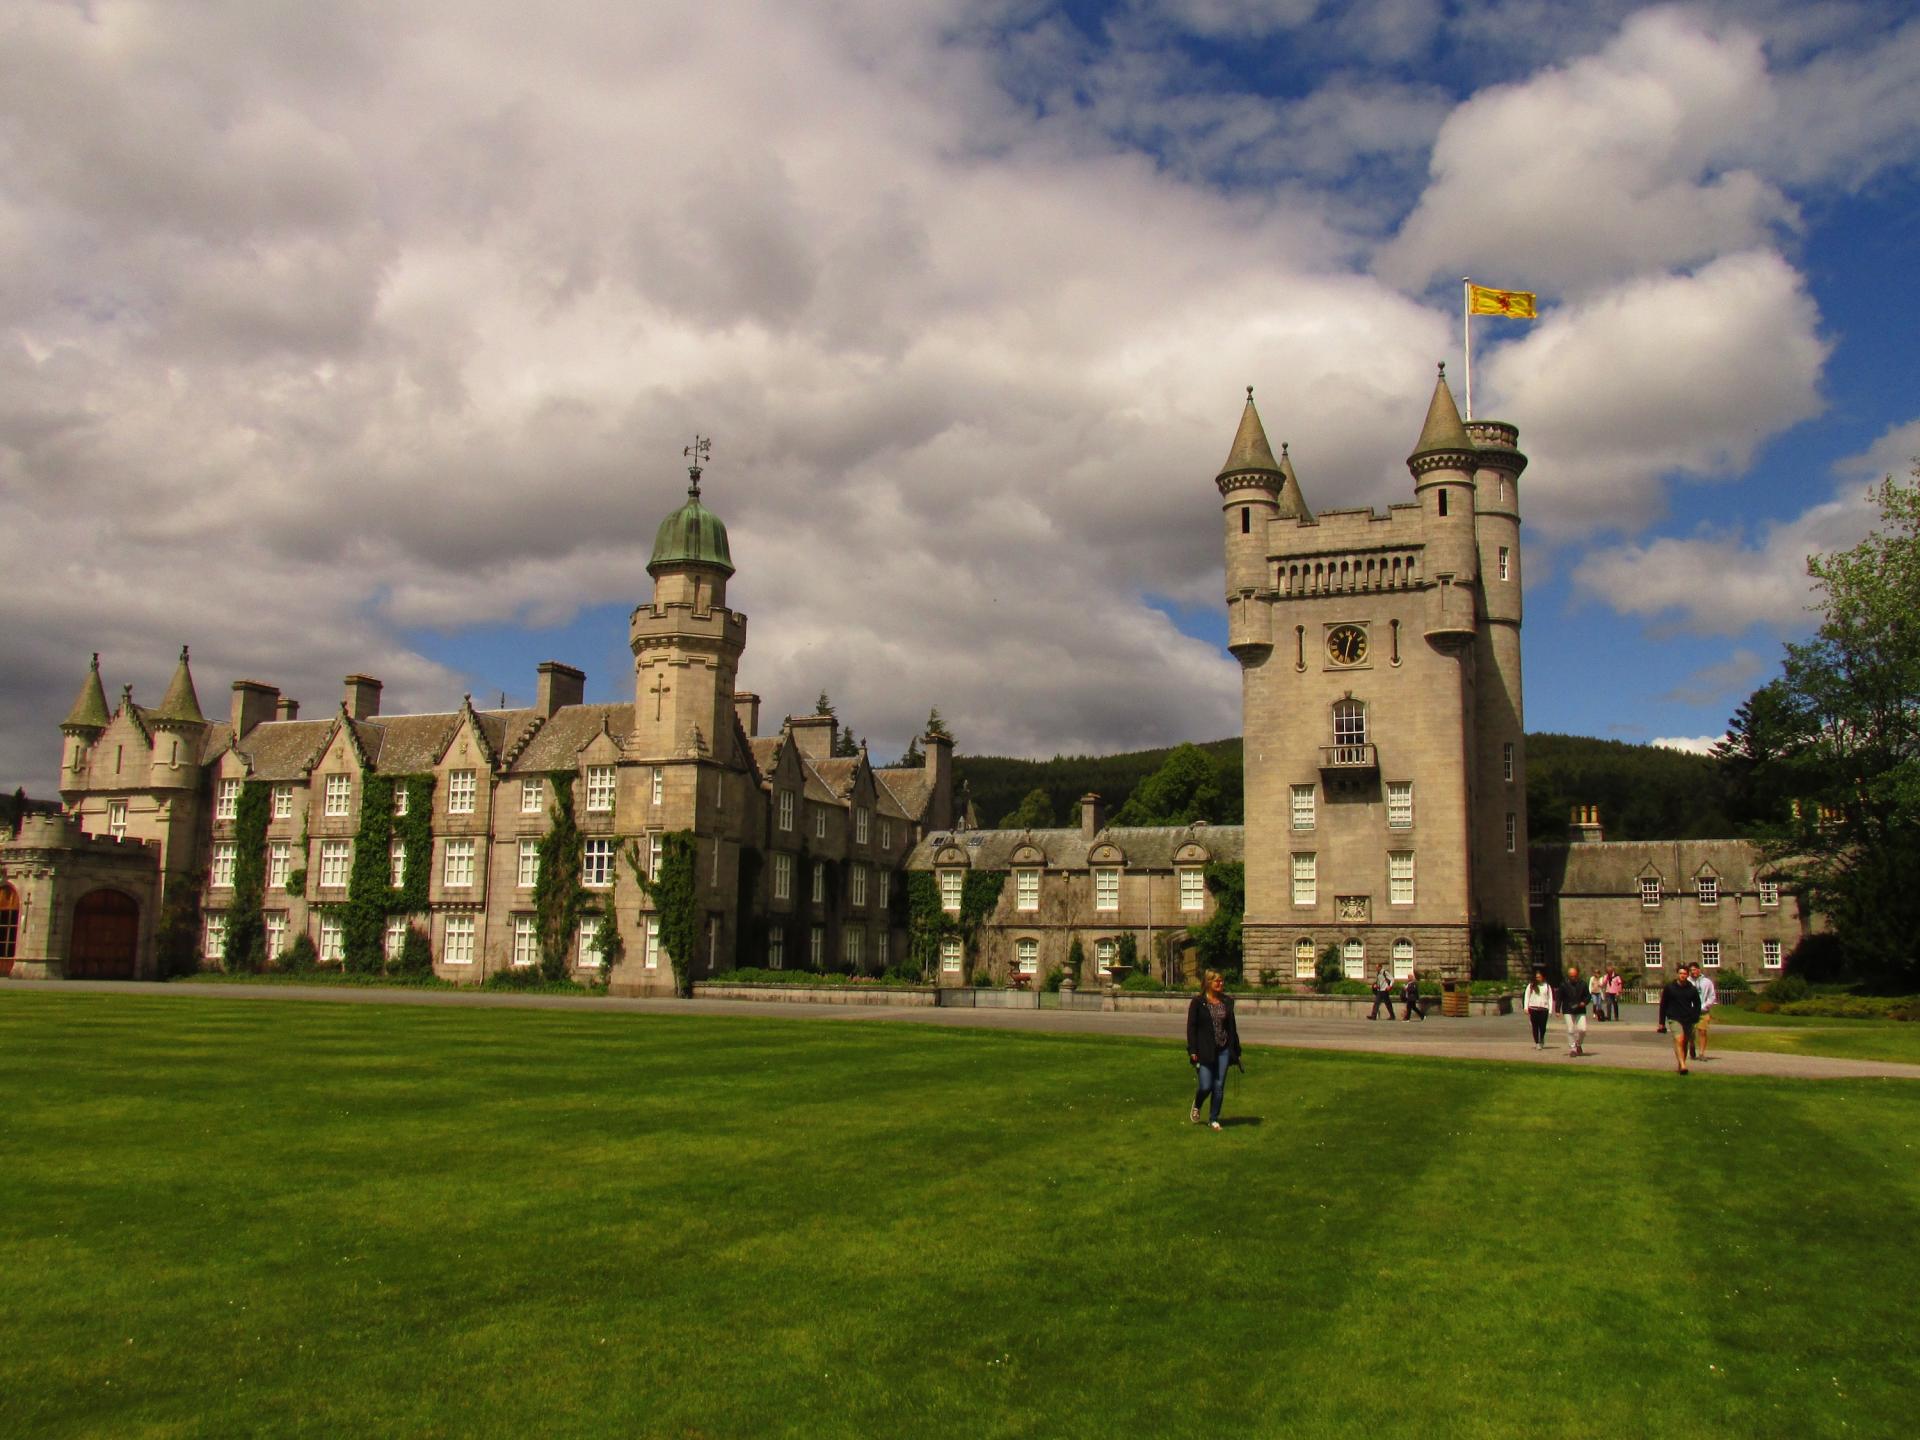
(1353, 959)
(1304, 960)
(786, 808)
(1506, 762)
(1106, 889)
(776, 949)
(1513, 831)
(333, 944)
(819, 882)
(652, 951)
(599, 791)
(1193, 890)
(880, 951)
(596, 869)
(1536, 890)
(1026, 955)
(1769, 893)
(1710, 954)
(460, 795)
(817, 945)
(1770, 954)
(1399, 804)
(819, 822)
(587, 945)
(1303, 807)
(1443, 502)
(859, 884)
(396, 936)
(658, 782)
(1246, 519)
(533, 796)
(459, 863)
(220, 876)
(276, 922)
(117, 819)
(527, 869)
(1106, 954)
(949, 956)
(1649, 892)
(283, 802)
(336, 856)
(1506, 562)
(216, 948)
(1349, 732)
(1400, 877)
(1402, 959)
(396, 862)
(950, 883)
(458, 949)
(526, 942)
(279, 862)
(1026, 889)
(1306, 880)
(782, 877)
(226, 804)
(886, 834)
(861, 820)
(1708, 889)
(855, 944)
(339, 795)
(400, 798)
(1653, 954)
(656, 851)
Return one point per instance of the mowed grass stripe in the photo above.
(321, 1220)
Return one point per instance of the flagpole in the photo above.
(1466, 327)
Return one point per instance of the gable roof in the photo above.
(1147, 847)
(557, 743)
(911, 789)
(284, 749)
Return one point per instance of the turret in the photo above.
(1255, 491)
(1496, 484)
(1443, 463)
(177, 726)
(84, 722)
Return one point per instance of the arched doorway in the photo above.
(105, 944)
(9, 927)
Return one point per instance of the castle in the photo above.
(1385, 795)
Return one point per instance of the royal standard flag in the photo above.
(1514, 304)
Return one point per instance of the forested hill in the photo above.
(1644, 792)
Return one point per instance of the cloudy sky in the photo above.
(364, 336)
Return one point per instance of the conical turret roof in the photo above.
(90, 705)
(1443, 433)
(1250, 451)
(1293, 500)
(180, 705)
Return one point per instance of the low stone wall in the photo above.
(1143, 1002)
(817, 994)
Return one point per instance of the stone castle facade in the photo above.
(1385, 792)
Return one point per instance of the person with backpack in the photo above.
(1539, 1006)
(1213, 1043)
(1382, 994)
(1575, 996)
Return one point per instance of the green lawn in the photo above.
(1815, 1035)
(263, 1218)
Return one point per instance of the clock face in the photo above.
(1347, 645)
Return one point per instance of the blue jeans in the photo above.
(1212, 1076)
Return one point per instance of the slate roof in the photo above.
(90, 705)
(1614, 867)
(1147, 847)
(179, 705)
(284, 749)
(556, 745)
(765, 750)
(214, 741)
(911, 790)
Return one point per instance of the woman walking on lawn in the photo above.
(1213, 1043)
(1539, 1003)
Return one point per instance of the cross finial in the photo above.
(697, 452)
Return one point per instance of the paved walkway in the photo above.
(1627, 1044)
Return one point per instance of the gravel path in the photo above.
(1629, 1044)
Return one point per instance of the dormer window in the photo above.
(786, 809)
(339, 795)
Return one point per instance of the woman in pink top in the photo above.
(1615, 984)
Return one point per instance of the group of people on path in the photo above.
(1409, 995)
(1686, 1008)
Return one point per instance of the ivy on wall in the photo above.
(415, 829)
(559, 898)
(929, 922)
(371, 896)
(246, 927)
(676, 901)
(1218, 940)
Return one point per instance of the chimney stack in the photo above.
(557, 686)
(747, 706)
(1093, 816)
(286, 708)
(1586, 825)
(253, 702)
(363, 697)
(815, 735)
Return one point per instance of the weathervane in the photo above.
(697, 452)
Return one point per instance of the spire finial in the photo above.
(1283, 449)
(1443, 369)
(1249, 392)
(183, 654)
(96, 660)
(697, 452)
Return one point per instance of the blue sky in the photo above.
(341, 339)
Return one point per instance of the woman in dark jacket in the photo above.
(1411, 995)
(1213, 1043)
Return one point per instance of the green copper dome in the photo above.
(691, 535)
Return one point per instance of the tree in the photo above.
(936, 726)
(1839, 733)
(846, 744)
(823, 706)
(1184, 789)
(1035, 812)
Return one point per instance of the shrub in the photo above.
(526, 977)
(982, 980)
(1326, 970)
(1788, 987)
(1077, 960)
(1346, 987)
(1141, 981)
(1054, 977)
(299, 958)
(1732, 982)
(416, 953)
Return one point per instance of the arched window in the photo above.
(9, 923)
(1303, 958)
(1027, 953)
(1349, 732)
(1353, 959)
(1402, 959)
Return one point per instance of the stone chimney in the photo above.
(363, 697)
(253, 703)
(1093, 816)
(558, 685)
(816, 735)
(937, 764)
(286, 708)
(747, 706)
(1586, 825)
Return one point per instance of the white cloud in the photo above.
(1691, 744)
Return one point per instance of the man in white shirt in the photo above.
(1709, 997)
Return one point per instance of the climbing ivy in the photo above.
(612, 948)
(559, 899)
(676, 900)
(415, 829)
(371, 897)
(1218, 940)
(246, 928)
(929, 922)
